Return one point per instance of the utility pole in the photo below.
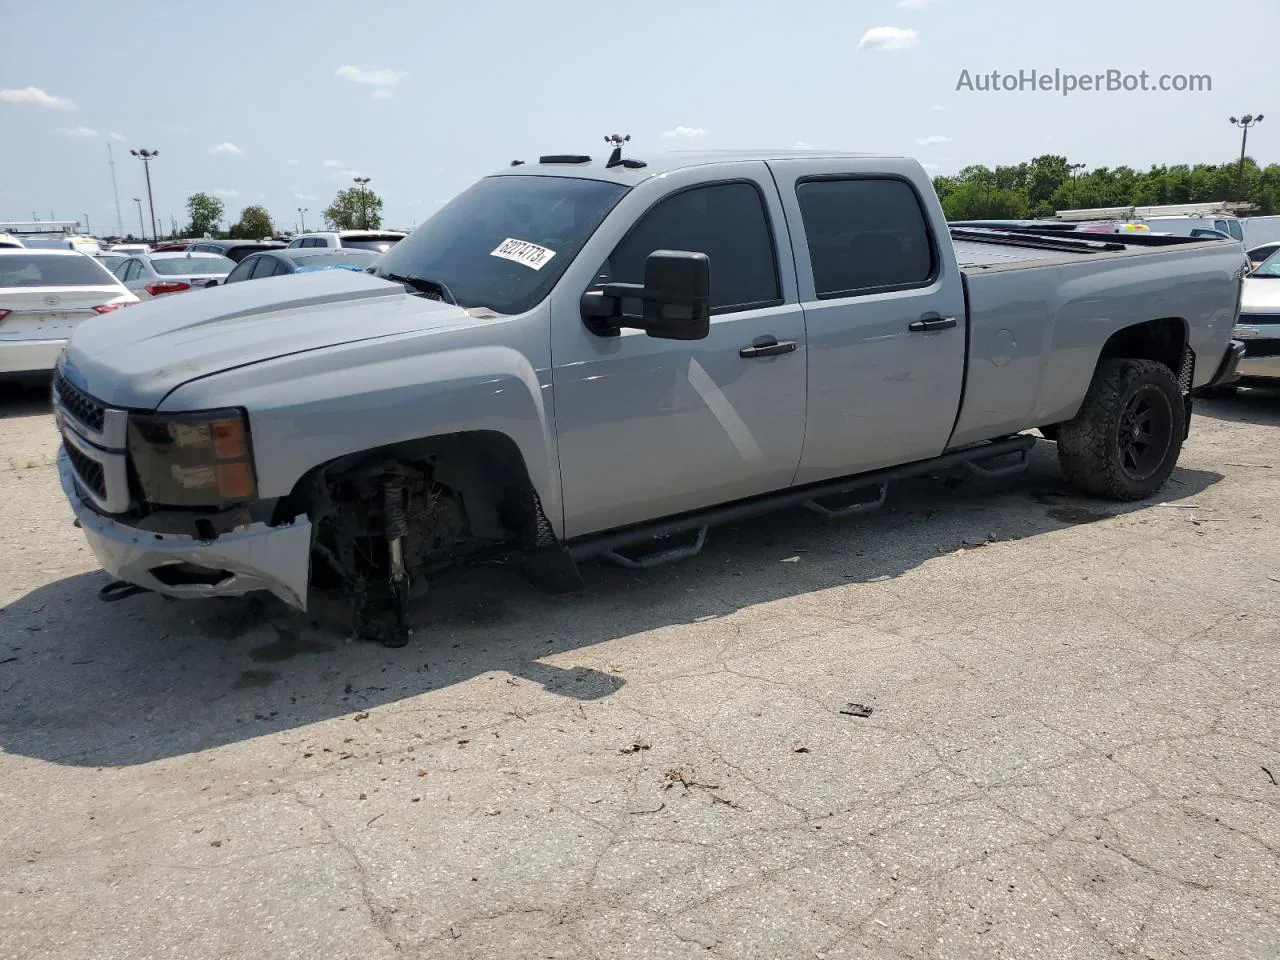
(1244, 123)
(302, 212)
(1071, 172)
(115, 190)
(142, 230)
(87, 228)
(146, 156)
(364, 210)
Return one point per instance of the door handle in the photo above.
(931, 321)
(767, 347)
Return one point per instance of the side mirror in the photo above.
(676, 298)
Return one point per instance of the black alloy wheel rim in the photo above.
(1146, 430)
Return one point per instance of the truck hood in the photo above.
(136, 356)
(1260, 295)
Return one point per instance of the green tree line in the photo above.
(352, 208)
(1048, 183)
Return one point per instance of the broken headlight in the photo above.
(193, 459)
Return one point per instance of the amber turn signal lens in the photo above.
(228, 439)
(235, 481)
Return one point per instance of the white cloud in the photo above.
(802, 145)
(229, 149)
(117, 136)
(382, 94)
(293, 163)
(78, 131)
(34, 96)
(225, 192)
(937, 108)
(305, 197)
(682, 132)
(345, 174)
(374, 76)
(889, 38)
(930, 168)
(931, 140)
(336, 164)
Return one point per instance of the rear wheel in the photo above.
(1125, 441)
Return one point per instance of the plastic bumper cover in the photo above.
(1229, 370)
(256, 557)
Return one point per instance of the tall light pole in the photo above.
(141, 227)
(302, 212)
(146, 156)
(1244, 123)
(364, 209)
(115, 190)
(1071, 172)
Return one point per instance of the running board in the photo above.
(1020, 465)
(850, 509)
(659, 557)
(605, 544)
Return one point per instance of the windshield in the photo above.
(505, 241)
(353, 258)
(376, 244)
(186, 266)
(51, 270)
(1269, 267)
(110, 260)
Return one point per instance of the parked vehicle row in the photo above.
(581, 358)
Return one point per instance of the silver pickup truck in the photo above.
(607, 356)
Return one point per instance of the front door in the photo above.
(649, 428)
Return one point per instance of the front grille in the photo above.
(88, 471)
(79, 404)
(1262, 348)
(1259, 318)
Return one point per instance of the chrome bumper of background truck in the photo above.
(256, 557)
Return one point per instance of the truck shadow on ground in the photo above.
(86, 683)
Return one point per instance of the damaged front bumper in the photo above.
(254, 557)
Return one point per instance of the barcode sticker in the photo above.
(523, 252)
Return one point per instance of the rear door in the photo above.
(884, 308)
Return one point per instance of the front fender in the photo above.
(309, 409)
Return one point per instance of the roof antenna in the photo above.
(615, 158)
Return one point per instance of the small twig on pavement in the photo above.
(1260, 466)
(1274, 782)
(1180, 506)
(672, 777)
(378, 817)
(658, 809)
(731, 804)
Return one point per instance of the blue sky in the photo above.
(282, 103)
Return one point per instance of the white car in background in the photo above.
(9, 242)
(162, 274)
(131, 249)
(44, 294)
(376, 241)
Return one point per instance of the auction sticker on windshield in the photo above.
(522, 251)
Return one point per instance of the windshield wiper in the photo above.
(433, 289)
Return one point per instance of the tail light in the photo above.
(166, 286)
(4, 313)
(108, 307)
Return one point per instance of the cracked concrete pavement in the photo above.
(1073, 750)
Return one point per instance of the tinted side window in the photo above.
(242, 271)
(728, 222)
(266, 267)
(865, 234)
(133, 271)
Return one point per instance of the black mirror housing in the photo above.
(676, 297)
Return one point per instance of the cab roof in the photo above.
(593, 167)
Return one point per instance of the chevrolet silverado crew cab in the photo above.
(605, 357)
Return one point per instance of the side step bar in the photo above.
(973, 458)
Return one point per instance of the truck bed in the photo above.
(1041, 307)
